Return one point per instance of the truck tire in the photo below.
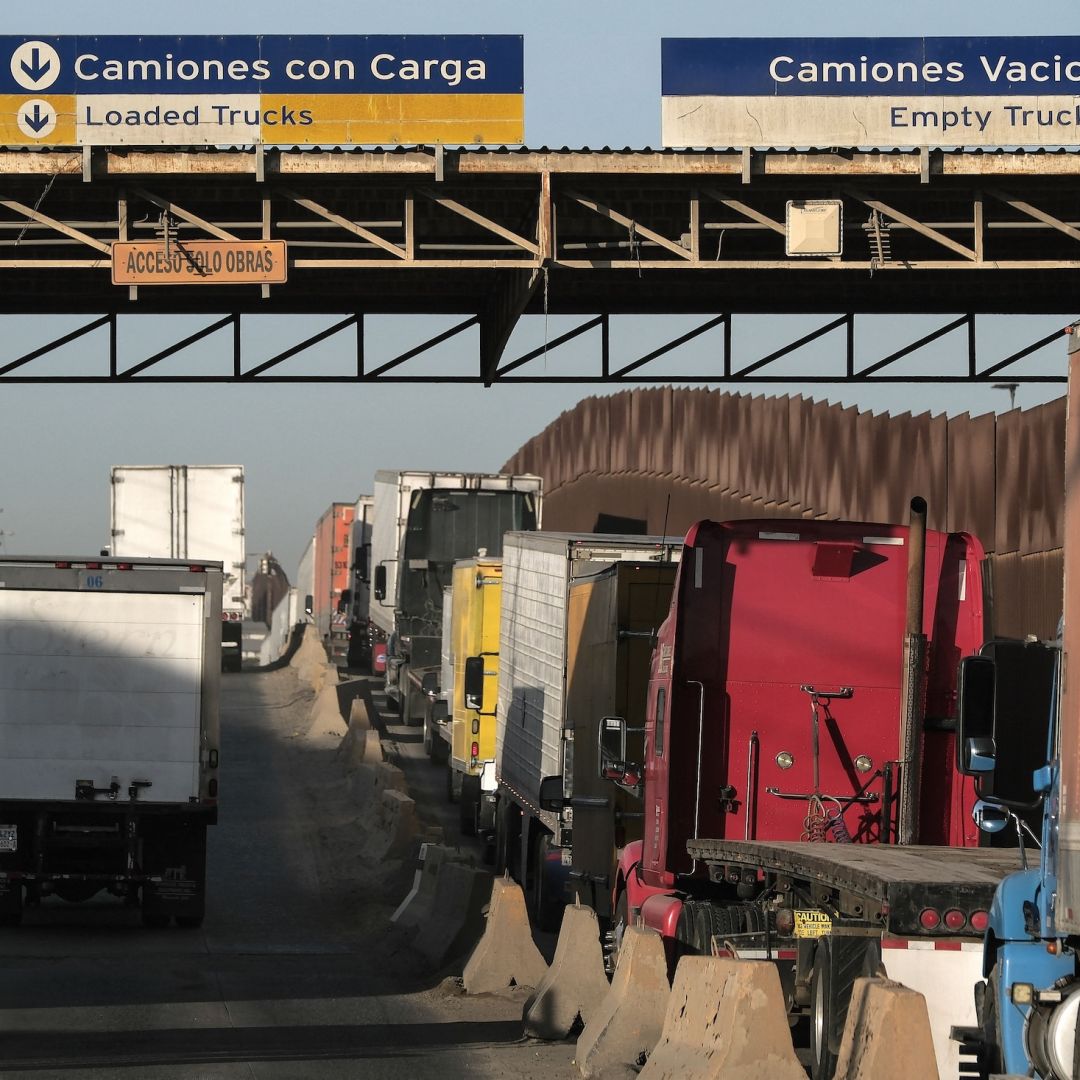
(469, 805)
(507, 834)
(838, 962)
(546, 905)
(613, 940)
(990, 1049)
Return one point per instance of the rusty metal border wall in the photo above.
(721, 455)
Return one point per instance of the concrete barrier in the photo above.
(576, 982)
(326, 719)
(419, 906)
(369, 780)
(390, 827)
(456, 919)
(358, 714)
(360, 745)
(725, 1018)
(887, 1034)
(506, 954)
(630, 1019)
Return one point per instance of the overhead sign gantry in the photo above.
(115, 200)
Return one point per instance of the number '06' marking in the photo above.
(93, 581)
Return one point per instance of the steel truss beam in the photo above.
(725, 369)
(489, 237)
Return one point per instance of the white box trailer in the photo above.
(424, 522)
(534, 736)
(109, 682)
(187, 512)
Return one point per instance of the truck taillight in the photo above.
(62, 565)
(124, 566)
(955, 919)
(979, 920)
(195, 568)
(93, 566)
(929, 919)
(475, 749)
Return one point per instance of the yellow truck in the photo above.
(474, 652)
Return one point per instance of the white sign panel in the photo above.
(871, 92)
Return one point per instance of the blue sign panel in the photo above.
(870, 67)
(251, 90)
(264, 64)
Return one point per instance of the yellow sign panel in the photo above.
(29, 120)
(392, 119)
(200, 262)
(812, 924)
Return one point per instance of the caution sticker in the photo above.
(812, 924)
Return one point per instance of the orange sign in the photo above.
(199, 262)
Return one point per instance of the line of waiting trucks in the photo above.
(782, 739)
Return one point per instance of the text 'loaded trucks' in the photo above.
(109, 676)
(191, 512)
(424, 522)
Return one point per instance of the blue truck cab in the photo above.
(1009, 720)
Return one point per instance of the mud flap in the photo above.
(174, 859)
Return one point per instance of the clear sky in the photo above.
(592, 79)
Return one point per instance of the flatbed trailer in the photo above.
(879, 905)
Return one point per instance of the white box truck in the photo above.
(424, 522)
(109, 680)
(187, 512)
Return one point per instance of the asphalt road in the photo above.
(295, 974)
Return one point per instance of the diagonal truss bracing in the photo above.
(721, 368)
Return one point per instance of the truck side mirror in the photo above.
(345, 602)
(611, 743)
(989, 818)
(309, 604)
(551, 793)
(975, 747)
(474, 682)
(429, 684)
(380, 582)
(360, 561)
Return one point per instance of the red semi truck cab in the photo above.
(775, 690)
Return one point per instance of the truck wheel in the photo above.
(990, 1050)
(838, 962)
(469, 806)
(547, 910)
(614, 938)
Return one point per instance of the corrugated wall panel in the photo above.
(1010, 471)
(972, 494)
(1042, 429)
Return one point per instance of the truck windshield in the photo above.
(448, 525)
